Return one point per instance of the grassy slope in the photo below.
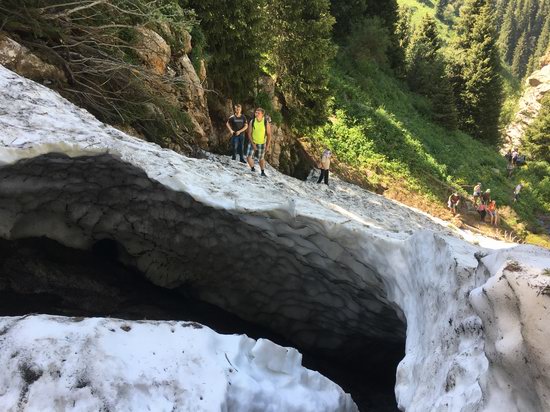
(381, 136)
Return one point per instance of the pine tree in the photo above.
(475, 71)
(520, 53)
(543, 44)
(301, 49)
(440, 8)
(537, 136)
(388, 11)
(347, 14)
(234, 43)
(403, 26)
(507, 33)
(442, 98)
(426, 72)
(422, 54)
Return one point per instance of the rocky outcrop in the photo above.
(192, 99)
(334, 269)
(20, 59)
(536, 87)
(175, 78)
(152, 49)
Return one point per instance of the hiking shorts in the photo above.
(260, 151)
(492, 212)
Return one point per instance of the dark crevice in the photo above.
(140, 235)
(39, 275)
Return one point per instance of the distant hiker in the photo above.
(259, 137)
(486, 197)
(515, 155)
(325, 165)
(516, 192)
(477, 193)
(508, 156)
(453, 202)
(237, 125)
(510, 168)
(482, 210)
(492, 212)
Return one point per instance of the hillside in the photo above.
(383, 139)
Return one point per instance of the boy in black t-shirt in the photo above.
(237, 125)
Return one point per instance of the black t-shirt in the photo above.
(237, 123)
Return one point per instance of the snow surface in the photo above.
(428, 270)
(66, 364)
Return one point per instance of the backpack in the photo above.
(254, 119)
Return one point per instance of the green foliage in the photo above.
(235, 41)
(348, 13)
(475, 72)
(426, 72)
(523, 32)
(388, 12)
(263, 100)
(519, 62)
(403, 28)
(370, 41)
(378, 126)
(301, 48)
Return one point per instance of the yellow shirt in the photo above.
(259, 131)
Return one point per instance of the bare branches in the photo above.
(94, 41)
(68, 12)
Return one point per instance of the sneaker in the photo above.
(263, 174)
(252, 169)
(233, 158)
(242, 161)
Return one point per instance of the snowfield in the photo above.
(347, 261)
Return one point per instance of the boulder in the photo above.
(193, 100)
(152, 49)
(21, 60)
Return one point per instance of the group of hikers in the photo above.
(482, 202)
(482, 199)
(258, 134)
(514, 160)
(258, 137)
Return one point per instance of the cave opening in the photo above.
(39, 275)
(95, 236)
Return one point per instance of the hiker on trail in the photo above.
(515, 155)
(492, 212)
(477, 193)
(508, 156)
(237, 125)
(259, 137)
(516, 192)
(486, 197)
(510, 168)
(453, 202)
(325, 165)
(482, 210)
